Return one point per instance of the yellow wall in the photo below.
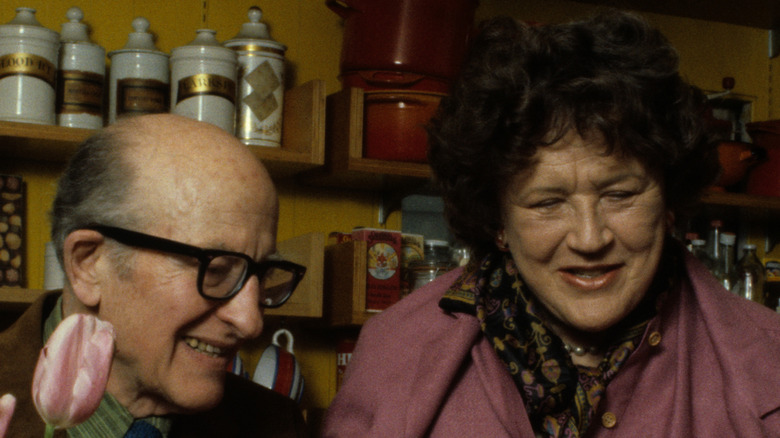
(313, 36)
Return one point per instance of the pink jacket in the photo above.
(708, 366)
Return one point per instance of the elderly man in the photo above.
(165, 227)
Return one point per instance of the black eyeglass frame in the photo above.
(204, 257)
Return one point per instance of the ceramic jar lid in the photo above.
(140, 40)
(74, 31)
(205, 44)
(25, 25)
(254, 33)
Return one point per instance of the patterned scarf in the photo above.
(560, 397)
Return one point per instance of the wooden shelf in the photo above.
(345, 284)
(17, 299)
(303, 132)
(344, 162)
(303, 136)
(727, 199)
(307, 250)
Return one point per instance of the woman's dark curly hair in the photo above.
(523, 87)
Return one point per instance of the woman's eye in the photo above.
(619, 194)
(546, 203)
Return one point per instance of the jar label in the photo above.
(264, 83)
(141, 96)
(204, 84)
(79, 92)
(27, 64)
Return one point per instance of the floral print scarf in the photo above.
(560, 397)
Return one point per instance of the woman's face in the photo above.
(586, 231)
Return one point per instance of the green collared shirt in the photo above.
(110, 419)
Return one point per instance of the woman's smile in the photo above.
(590, 278)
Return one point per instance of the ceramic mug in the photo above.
(278, 369)
(236, 366)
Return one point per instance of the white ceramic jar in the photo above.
(28, 68)
(260, 98)
(203, 80)
(81, 78)
(139, 78)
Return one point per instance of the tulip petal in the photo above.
(92, 375)
(7, 406)
(72, 370)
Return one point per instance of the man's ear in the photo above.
(83, 252)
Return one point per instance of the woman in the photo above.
(564, 154)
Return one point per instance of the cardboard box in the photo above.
(383, 279)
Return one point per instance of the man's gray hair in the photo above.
(94, 188)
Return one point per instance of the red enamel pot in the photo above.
(425, 37)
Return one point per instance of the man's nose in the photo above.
(243, 310)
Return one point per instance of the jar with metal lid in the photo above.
(139, 77)
(203, 80)
(425, 271)
(260, 83)
(438, 251)
(28, 68)
(81, 77)
(437, 260)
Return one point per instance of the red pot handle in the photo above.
(341, 8)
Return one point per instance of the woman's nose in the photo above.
(589, 232)
(243, 310)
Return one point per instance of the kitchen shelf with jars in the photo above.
(303, 136)
(303, 140)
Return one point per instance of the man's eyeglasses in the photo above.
(221, 274)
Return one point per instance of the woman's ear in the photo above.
(501, 242)
(670, 218)
(82, 254)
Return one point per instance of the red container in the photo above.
(383, 263)
(394, 124)
(428, 37)
(736, 158)
(764, 179)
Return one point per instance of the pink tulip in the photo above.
(72, 371)
(7, 405)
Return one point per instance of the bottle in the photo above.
(689, 238)
(139, 77)
(724, 270)
(260, 82)
(28, 69)
(81, 77)
(203, 80)
(749, 276)
(713, 239)
(699, 250)
(772, 283)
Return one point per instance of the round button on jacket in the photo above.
(654, 339)
(608, 420)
